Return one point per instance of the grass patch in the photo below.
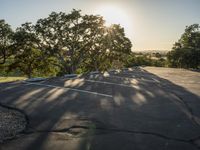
(9, 79)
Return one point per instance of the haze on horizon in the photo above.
(150, 24)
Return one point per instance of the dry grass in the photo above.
(9, 79)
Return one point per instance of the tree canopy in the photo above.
(75, 43)
(5, 40)
(66, 42)
(186, 52)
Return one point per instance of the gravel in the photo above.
(12, 122)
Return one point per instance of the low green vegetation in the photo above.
(10, 79)
(146, 59)
(74, 43)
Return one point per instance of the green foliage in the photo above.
(144, 60)
(60, 37)
(186, 52)
(108, 45)
(82, 42)
(27, 56)
(67, 43)
(10, 79)
(5, 41)
(74, 43)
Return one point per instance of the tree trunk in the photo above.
(29, 73)
(73, 69)
(95, 65)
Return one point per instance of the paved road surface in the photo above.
(136, 108)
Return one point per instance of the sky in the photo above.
(150, 24)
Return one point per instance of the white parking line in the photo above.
(110, 76)
(156, 80)
(72, 89)
(104, 82)
(114, 76)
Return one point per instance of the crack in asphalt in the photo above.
(190, 110)
(184, 103)
(181, 100)
(192, 141)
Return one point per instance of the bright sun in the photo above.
(114, 15)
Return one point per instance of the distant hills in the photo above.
(151, 51)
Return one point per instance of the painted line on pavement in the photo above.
(72, 89)
(110, 76)
(114, 76)
(105, 82)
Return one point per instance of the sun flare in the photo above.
(114, 15)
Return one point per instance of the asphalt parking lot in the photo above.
(136, 108)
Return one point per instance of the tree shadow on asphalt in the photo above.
(159, 107)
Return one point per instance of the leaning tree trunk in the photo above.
(30, 69)
(29, 73)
